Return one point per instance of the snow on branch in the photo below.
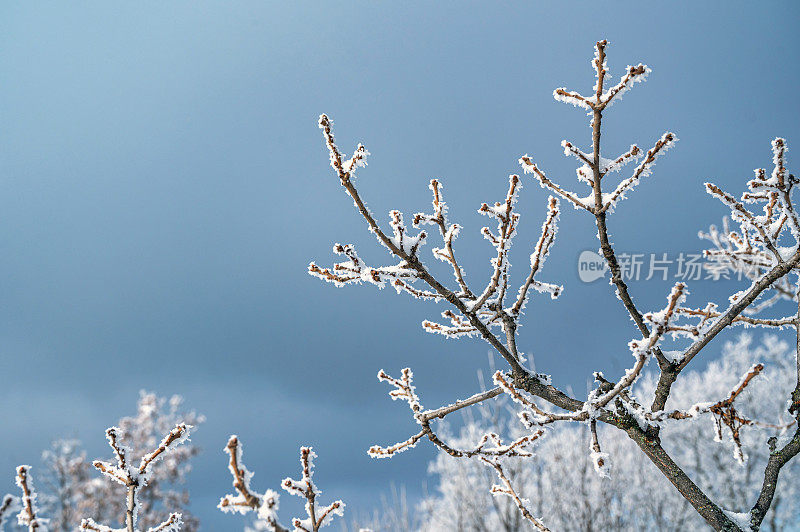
(475, 313)
(493, 296)
(172, 524)
(507, 488)
(600, 460)
(27, 515)
(529, 167)
(633, 75)
(459, 327)
(403, 389)
(601, 100)
(449, 232)
(561, 94)
(644, 169)
(593, 166)
(176, 436)
(246, 500)
(608, 166)
(764, 240)
(134, 478)
(724, 412)
(347, 169)
(305, 488)
(92, 526)
(710, 312)
(355, 271)
(662, 322)
(531, 415)
(490, 444)
(539, 255)
(507, 221)
(266, 506)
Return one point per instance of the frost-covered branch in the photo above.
(458, 405)
(134, 477)
(474, 314)
(489, 445)
(507, 488)
(539, 255)
(760, 244)
(724, 413)
(529, 167)
(448, 231)
(594, 167)
(565, 490)
(507, 221)
(599, 458)
(644, 169)
(532, 415)
(661, 324)
(27, 515)
(305, 488)
(246, 500)
(266, 506)
(764, 240)
(710, 311)
(778, 458)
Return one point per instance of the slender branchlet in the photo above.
(490, 444)
(28, 509)
(266, 505)
(507, 489)
(599, 458)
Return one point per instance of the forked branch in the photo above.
(266, 505)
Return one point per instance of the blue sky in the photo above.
(163, 186)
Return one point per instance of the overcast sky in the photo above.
(163, 186)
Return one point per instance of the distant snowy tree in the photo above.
(72, 491)
(764, 250)
(396, 514)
